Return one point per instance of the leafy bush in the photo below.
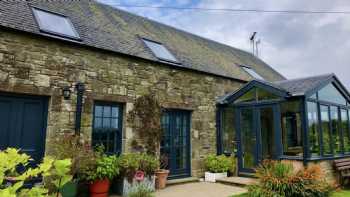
(140, 190)
(218, 164)
(132, 162)
(101, 167)
(277, 179)
(69, 145)
(11, 159)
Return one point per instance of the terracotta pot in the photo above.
(161, 178)
(99, 188)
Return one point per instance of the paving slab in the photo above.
(200, 189)
(238, 181)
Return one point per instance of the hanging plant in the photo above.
(146, 122)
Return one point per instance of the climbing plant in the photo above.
(145, 119)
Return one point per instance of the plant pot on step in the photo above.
(70, 189)
(212, 177)
(99, 188)
(161, 178)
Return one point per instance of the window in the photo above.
(256, 94)
(313, 128)
(107, 129)
(345, 129)
(326, 135)
(331, 94)
(54, 23)
(160, 51)
(228, 130)
(291, 128)
(336, 136)
(252, 72)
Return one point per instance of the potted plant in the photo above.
(99, 169)
(75, 147)
(162, 174)
(136, 168)
(217, 167)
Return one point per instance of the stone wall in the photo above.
(38, 66)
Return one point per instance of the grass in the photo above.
(341, 193)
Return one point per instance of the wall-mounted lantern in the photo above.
(66, 92)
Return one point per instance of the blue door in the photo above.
(175, 146)
(258, 134)
(23, 124)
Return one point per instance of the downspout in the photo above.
(80, 87)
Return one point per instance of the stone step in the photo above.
(238, 181)
(182, 181)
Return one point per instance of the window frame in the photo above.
(145, 40)
(323, 156)
(118, 141)
(246, 68)
(47, 31)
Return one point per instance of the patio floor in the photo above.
(202, 189)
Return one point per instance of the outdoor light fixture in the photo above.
(66, 92)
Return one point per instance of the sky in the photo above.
(295, 45)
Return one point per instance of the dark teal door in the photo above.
(23, 122)
(175, 146)
(258, 134)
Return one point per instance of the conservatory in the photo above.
(302, 119)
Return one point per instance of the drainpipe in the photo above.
(80, 87)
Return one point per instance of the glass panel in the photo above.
(313, 129)
(249, 96)
(98, 111)
(326, 136)
(115, 112)
(331, 94)
(160, 51)
(314, 96)
(336, 130)
(105, 128)
(291, 128)
(267, 132)
(106, 111)
(252, 73)
(54, 23)
(345, 129)
(248, 138)
(98, 123)
(265, 95)
(228, 129)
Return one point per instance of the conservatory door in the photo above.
(256, 126)
(175, 145)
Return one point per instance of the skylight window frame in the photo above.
(47, 31)
(246, 68)
(144, 40)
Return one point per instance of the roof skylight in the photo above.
(53, 23)
(160, 51)
(252, 72)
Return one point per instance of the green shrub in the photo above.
(218, 164)
(132, 162)
(11, 159)
(140, 190)
(101, 167)
(277, 179)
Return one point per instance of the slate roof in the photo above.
(104, 27)
(300, 86)
(292, 87)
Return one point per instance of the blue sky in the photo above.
(295, 45)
